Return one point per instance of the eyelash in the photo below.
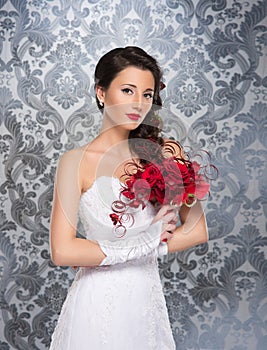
(148, 95)
(129, 91)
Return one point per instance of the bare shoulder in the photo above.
(81, 162)
(72, 158)
(79, 155)
(90, 156)
(71, 155)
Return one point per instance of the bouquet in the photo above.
(171, 180)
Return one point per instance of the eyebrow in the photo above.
(134, 86)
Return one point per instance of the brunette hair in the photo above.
(109, 66)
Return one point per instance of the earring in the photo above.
(101, 104)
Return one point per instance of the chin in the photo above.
(132, 125)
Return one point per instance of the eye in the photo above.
(127, 91)
(148, 95)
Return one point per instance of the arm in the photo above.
(66, 249)
(193, 230)
(84, 252)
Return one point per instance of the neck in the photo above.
(113, 134)
(114, 141)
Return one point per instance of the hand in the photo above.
(168, 214)
(146, 242)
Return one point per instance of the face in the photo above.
(128, 98)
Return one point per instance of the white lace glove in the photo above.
(121, 251)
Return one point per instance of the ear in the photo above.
(100, 93)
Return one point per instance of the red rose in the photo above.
(202, 188)
(152, 174)
(141, 190)
(172, 172)
(158, 193)
(174, 182)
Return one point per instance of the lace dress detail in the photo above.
(113, 307)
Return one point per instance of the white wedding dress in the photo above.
(119, 307)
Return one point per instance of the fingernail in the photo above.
(165, 240)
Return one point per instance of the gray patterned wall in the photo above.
(214, 57)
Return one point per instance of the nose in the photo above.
(137, 102)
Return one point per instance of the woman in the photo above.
(116, 300)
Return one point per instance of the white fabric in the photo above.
(121, 251)
(118, 307)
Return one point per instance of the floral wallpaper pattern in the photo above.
(213, 53)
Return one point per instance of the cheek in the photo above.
(115, 110)
(147, 106)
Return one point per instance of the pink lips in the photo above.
(133, 116)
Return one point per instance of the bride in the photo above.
(116, 300)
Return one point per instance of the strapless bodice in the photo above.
(95, 208)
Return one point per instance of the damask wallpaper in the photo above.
(213, 54)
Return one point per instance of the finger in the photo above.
(163, 210)
(175, 218)
(174, 221)
(171, 227)
(165, 236)
(170, 216)
(168, 227)
(161, 213)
